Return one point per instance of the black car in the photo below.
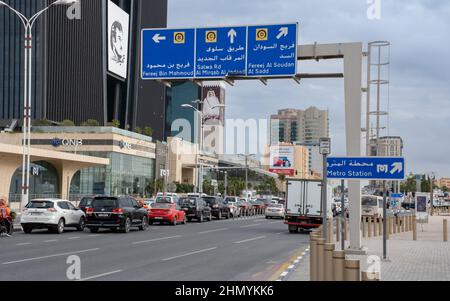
(196, 208)
(218, 208)
(116, 213)
(85, 203)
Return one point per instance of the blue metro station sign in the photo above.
(219, 52)
(366, 168)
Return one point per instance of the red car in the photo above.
(166, 213)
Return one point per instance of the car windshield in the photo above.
(230, 200)
(161, 206)
(187, 201)
(104, 203)
(40, 205)
(209, 200)
(369, 201)
(164, 199)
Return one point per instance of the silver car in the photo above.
(52, 214)
(275, 211)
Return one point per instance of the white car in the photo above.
(52, 214)
(275, 211)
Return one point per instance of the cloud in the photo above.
(420, 65)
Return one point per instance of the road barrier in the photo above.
(314, 236)
(414, 228)
(352, 270)
(328, 261)
(445, 231)
(338, 229)
(338, 265)
(320, 259)
(330, 230)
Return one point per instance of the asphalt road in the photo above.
(247, 249)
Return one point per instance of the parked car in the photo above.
(196, 208)
(52, 214)
(85, 202)
(218, 208)
(116, 213)
(275, 211)
(166, 212)
(233, 205)
(246, 207)
(259, 206)
(167, 199)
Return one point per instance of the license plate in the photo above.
(36, 213)
(103, 215)
(158, 217)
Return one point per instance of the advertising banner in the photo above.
(282, 160)
(118, 33)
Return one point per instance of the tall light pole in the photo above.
(202, 122)
(28, 24)
(246, 169)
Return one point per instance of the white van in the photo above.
(372, 206)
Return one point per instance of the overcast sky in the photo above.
(419, 32)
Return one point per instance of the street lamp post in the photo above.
(246, 170)
(200, 166)
(28, 24)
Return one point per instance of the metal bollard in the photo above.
(363, 224)
(352, 270)
(338, 265)
(320, 259)
(414, 228)
(345, 230)
(330, 230)
(328, 259)
(399, 228)
(369, 228)
(338, 230)
(391, 225)
(445, 231)
(380, 226)
(375, 227)
(366, 276)
(313, 257)
(403, 224)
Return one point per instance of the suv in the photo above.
(218, 208)
(196, 208)
(116, 213)
(85, 203)
(53, 215)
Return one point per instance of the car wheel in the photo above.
(27, 229)
(60, 227)
(81, 224)
(127, 226)
(93, 230)
(144, 225)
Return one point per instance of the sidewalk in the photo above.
(427, 259)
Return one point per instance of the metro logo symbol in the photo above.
(211, 36)
(262, 34)
(179, 37)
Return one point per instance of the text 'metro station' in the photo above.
(219, 52)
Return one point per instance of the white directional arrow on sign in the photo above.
(232, 34)
(158, 38)
(397, 167)
(283, 32)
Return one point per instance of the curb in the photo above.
(293, 266)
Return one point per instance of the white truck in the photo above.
(304, 204)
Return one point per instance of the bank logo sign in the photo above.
(219, 52)
(57, 142)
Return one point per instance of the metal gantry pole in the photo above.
(324, 197)
(384, 221)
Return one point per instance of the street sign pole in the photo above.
(325, 150)
(343, 215)
(384, 221)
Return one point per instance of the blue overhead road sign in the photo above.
(221, 52)
(272, 50)
(366, 168)
(168, 53)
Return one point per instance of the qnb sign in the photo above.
(124, 145)
(57, 142)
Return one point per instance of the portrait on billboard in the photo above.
(213, 96)
(118, 33)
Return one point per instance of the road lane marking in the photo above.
(279, 233)
(94, 235)
(50, 240)
(50, 256)
(188, 254)
(250, 239)
(101, 275)
(211, 231)
(23, 244)
(72, 238)
(248, 226)
(271, 223)
(156, 239)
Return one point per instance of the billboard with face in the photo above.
(213, 97)
(118, 33)
(282, 160)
